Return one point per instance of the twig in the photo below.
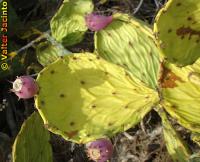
(44, 35)
(142, 126)
(128, 136)
(138, 7)
(157, 4)
(32, 11)
(33, 75)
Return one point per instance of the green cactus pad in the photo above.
(181, 93)
(83, 97)
(32, 142)
(68, 24)
(130, 43)
(48, 52)
(176, 147)
(177, 27)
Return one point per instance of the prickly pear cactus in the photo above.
(68, 24)
(32, 142)
(177, 27)
(83, 98)
(47, 52)
(181, 94)
(130, 43)
(176, 147)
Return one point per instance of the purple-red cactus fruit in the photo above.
(100, 150)
(97, 22)
(25, 87)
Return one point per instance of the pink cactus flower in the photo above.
(25, 87)
(97, 22)
(100, 150)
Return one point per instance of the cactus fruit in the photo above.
(32, 142)
(97, 22)
(91, 99)
(25, 87)
(181, 95)
(48, 52)
(176, 147)
(177, 27)
(68, 24)
(129, 43)
(100, 150)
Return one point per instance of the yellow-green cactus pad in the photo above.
(175, 145)
(82, 97)
(47, 52)
(181, 94)
(130, 43)
(32, 142)
(177, 27)
(68, 24)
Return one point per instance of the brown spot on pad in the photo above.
(169, 30)
(126, 74)
(168, 79)
(42, 102)
(71, 134)
(71, 123)
(187, 31)
(74, 58)
(109, 34)
(178, 4)
(174, 106)
(98, 57)
(52, 71)
(106, 73)
(110, 124)
(130, 44)
(62, 95)
(114, 93)
(82, 82)
(126, 107)
(189, 18)
(124, 65)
